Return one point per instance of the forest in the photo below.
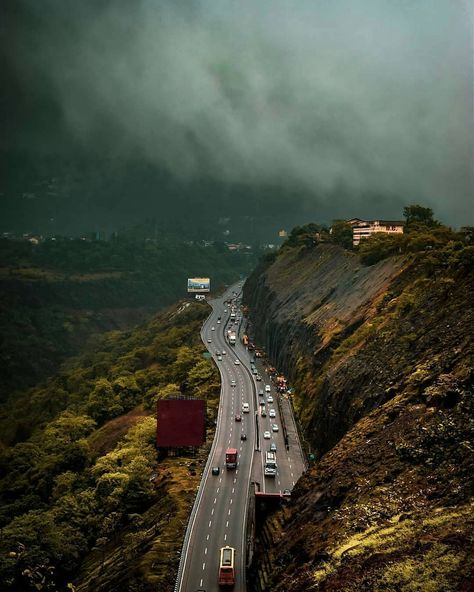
(83, 480)
(59, 293)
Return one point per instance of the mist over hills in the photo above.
(330, 110)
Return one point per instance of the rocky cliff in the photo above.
(381, 360)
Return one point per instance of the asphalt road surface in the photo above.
(220, 510)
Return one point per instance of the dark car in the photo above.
(216, 470)
(243, 436)
(238, 418)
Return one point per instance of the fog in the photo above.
(374, 96)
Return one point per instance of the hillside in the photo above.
(86, 502)
(59, 293)
(381, 361)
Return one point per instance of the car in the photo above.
(216, 470)
(258, 378)
(238, 417)
(209, 340)
(243, 436)
(237, 362)
(287, 492)
(263, 412)
(224, 352)
(218, 353)
(219, 358)
(213, 328)
(225, 309)
(262, 402)
(274, 427)
(232, 383)
(260, 393)
(272, 413)
(267, 435)
(245, 407)
(273, 447)
(270, 399)
(268, 388)
(218, 322)
(254, 371)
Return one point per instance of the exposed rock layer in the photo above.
(381, 359)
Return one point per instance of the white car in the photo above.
(219, 358)
(268, 388)
(272, 413)
(237, 362)
(245, 407)
(274, 427)
(218, 322)
(224, 352)
(232, 383)
(267, 435)
(270, 399)
(209, 340)
(213, 328)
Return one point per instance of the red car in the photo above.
(238, 418)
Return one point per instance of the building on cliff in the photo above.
(365, 228)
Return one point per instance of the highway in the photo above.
(220, 509)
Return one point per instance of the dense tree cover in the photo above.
(58, 292)
(58, 498)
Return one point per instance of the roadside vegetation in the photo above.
(85, 501)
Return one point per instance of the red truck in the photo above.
(231, 458)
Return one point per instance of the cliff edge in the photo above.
(381, 361)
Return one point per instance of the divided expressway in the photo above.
(219, 515)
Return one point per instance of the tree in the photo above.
(419, 215)
(341, 233)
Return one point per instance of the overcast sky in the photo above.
(372, 95)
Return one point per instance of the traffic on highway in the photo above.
(251, 452)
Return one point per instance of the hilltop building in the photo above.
(365, 228)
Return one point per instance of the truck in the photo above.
(226, 577)
(231, 458)
(270, 468)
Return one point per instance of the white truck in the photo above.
(270, 468)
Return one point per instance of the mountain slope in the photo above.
(381, 360)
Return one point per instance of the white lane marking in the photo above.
(207, 538)
(215, 499)
(225, 537)
(233, 489)
(229, 512)
(210, 522)
(227, 524)
(203, 566)
(231, 500)
(200, 583)
(293, 483)
(205, 551)
(212, 512)
(218, 490)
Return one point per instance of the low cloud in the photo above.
(371, 95)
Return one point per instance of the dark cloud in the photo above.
(371, 95)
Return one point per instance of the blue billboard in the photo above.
(199, 285)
